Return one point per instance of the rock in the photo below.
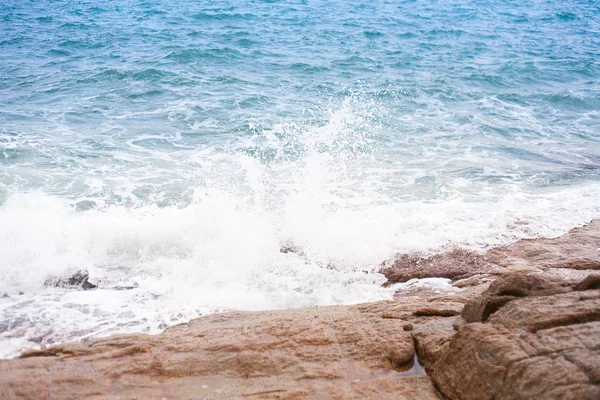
(510, 288)
(590, 282)
(474, 280)
(430, 319)
(329, 352)
(79, 279)
(455, 264)
(578, 249)
(509, 330)
(545, 312)
(525, 337)
(431, 339)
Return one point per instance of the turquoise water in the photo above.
(176, 146)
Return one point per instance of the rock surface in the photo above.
(331, 352)
(579, 249)
(522, 327)
(525, 338)
(455, 264)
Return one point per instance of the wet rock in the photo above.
(525, 337)
(131, 286)
(455, 264)
(291, 248)
(79, 279)
(330, 352)
(578, 249)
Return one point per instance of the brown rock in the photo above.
(430, 319)
(330, 352)
(455, 264)
(510, 288)
(487, 361)
(545, 312)
(509, 334)
(432, 337)
(590, 282)
(578, 249)
(530, 337)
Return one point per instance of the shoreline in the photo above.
(413, 345)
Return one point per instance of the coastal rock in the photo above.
(432, 337)
(78, 280)
(511, 287)
(577, 249)
(525, 337)
(513, 332)
(456, 264)
(330, 352)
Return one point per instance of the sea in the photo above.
(194, 156)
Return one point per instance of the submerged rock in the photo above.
(79, 279)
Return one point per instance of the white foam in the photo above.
(440, 285)
(336, 193)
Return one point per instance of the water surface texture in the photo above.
(173, 148)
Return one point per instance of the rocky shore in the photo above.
(524, 325)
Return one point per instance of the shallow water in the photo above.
(176, 146)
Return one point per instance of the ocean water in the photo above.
(173, 148)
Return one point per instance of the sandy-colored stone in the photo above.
(329, 352)
(512, 287)
(578, 249)
(432, 337)
(545, 312)
(455, 264)
(525, 337)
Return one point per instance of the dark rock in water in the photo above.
(79, 279)
(292, 248)
(127, 287)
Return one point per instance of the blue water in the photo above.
(176, 146)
